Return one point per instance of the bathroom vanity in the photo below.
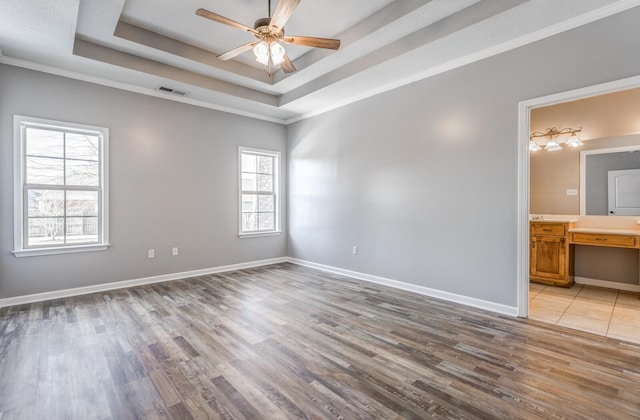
(550, 256)
(552, 247)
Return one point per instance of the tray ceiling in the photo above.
(141, 45)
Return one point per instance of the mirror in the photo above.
(558, 179)
(610, 181)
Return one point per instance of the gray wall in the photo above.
(597, 178)
(552, 173)
(424, 178)
(610, 264)
(173, 177)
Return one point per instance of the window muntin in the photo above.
(258, 191)
(60, 185)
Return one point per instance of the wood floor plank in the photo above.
(286, 341)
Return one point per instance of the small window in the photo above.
(60, 187)
(259, 212)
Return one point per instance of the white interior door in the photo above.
(624, 192)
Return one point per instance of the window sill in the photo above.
(258, 234)
(62, 250)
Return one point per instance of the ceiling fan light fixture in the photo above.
(270, 34)
(277, 53)
(261, 51)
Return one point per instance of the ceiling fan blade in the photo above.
(237, 51)
(287, 65)
(283, 12)
(221, 19)
(309, 41)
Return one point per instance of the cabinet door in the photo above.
(548, 257)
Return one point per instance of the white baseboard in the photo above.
(608, 284)
(452, 297)
(440, 294)
(58, 294)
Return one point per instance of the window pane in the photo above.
(265, 183)
(248, 163)
(44, 142)
(265, 221)
(249, 202)
(82, 203)
(80, 172)
(45, 171)
(265, 165)
(265, 203)
(62, 183)
(45, 231)
(249, 182)
(45, 203)
(82, 229)
(249, 222)
(82, 146)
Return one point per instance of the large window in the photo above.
(259, 213)
(60, 187)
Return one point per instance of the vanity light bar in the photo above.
(554, 144)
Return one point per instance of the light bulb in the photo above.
(277, 53)
(552, 146)
(261, 50)
(533, 146)
(574, 141)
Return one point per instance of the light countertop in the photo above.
(550, 220)
(605, 231)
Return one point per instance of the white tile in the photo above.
(598, 294)
(626, 316)
(564, 291)
(558, 304)
(591, 309)
(624, 332)
(546, 315)
(582, 323)
(536, 287)
(628, 299)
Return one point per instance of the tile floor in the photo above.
(608, 312)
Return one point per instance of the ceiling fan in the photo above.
(269, 32)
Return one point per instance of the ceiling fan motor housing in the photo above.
(270, 35)
(261, 22)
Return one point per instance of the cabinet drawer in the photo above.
(548, 229)
(602, 239)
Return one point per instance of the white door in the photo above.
(624, 193)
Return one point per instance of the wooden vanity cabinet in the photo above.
(550, 256)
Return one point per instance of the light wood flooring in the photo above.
(290, 342)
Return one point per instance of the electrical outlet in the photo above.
(572, 192)
(355, 250)
(152, 253)
(174, 251)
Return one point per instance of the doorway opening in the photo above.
(574, 194)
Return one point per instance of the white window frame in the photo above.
(276, 191)
(20, 123)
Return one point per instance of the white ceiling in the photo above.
(141, 45)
